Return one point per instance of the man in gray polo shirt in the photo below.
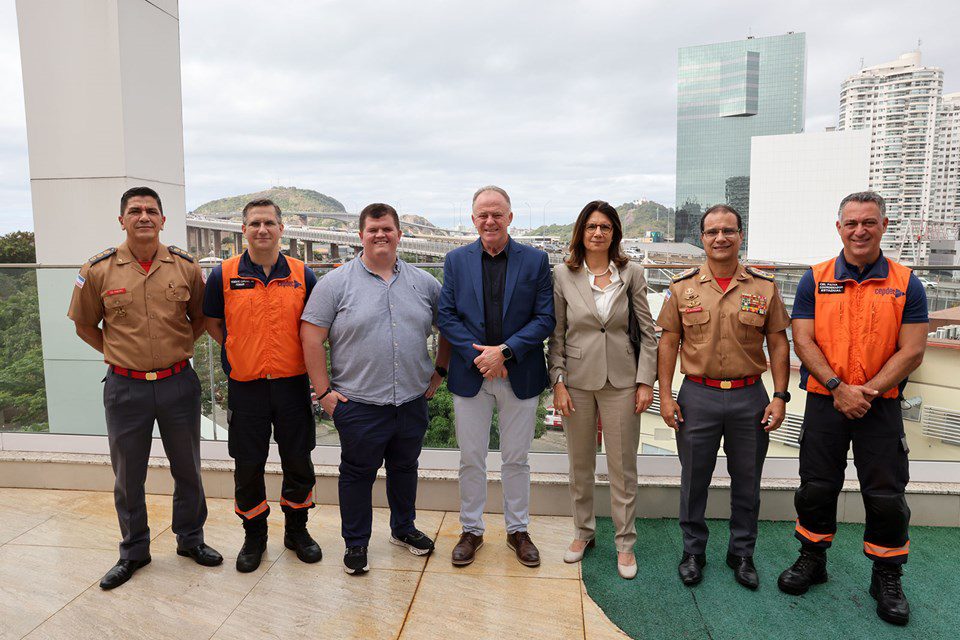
(377, 312)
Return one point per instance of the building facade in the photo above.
(727, 93)
(898, 102)
(946, 184)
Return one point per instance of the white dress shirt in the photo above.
(604, 297)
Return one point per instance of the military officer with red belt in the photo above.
(859, 327)
(253, 304)
(718, 315)
(140, 305)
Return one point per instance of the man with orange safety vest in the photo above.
(253, 304)
(859, 327)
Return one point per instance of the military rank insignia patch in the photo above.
(754, 303)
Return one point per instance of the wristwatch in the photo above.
(506, 352)
(440, 371)
(783, 395)
(832, 383)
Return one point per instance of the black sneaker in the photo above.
(355, 560)
(417, 542)
(885, 588)
(809, 569)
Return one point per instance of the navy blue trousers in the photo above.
(371, 436)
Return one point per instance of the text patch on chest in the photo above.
(242, 283)
(829, 287)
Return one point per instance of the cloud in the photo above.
(418, 103)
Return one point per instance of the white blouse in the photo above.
(603, 298)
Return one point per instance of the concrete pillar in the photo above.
(101, 84)
(217, 243)
(334, 252)
(294, 248)
(307, 251)
(193, 240)
(237, 244)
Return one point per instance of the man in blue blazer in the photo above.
(496, 309)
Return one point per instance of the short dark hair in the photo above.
(721, 208)
(138, 192)
(864, 196)
(261, 202)
(378, 210)
(577, 249)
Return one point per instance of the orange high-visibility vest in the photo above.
(263, 322)
(857, 325)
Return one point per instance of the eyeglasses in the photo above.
(604, 228)
(727, 231)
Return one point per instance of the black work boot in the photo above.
(885, 588)
(254, 546)
(297, 538)
(809, 569)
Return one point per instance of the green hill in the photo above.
(289, 199)
(637, 220)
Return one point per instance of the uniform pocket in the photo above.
(750, 324)
(180, 293)
(696, 326)
(117, 305)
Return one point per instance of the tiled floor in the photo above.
(55, 546)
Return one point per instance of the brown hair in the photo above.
(376, 211)
(262, 202)
(577, 250)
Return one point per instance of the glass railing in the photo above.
(50, 380)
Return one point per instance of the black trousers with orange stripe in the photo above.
(254, 406)
(880, 455)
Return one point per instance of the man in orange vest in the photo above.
(253, 304)
(859, 328)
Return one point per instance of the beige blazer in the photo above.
(589, 352)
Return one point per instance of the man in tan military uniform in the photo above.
(148, 299)
(718, 315)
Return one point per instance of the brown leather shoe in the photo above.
(466, 550)
(526, 551)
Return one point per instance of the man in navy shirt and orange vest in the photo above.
(253, 304)
(859, 327)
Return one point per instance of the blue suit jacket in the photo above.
(528, 317)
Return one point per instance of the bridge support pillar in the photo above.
(294, 248)
(193, 240)
(237, 244)
(217, 243)
(307, 251)
(334, 251)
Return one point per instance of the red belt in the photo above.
(159, 374)
(725, 384)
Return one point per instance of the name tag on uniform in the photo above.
(242, 283)
(115, 292)
(829, 287)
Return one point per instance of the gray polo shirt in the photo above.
(378, 330)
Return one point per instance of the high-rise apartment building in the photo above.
(728, 93)
(899, 102)
(946, 168)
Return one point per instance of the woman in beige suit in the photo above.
(595, 370)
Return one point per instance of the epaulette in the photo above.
(180, 252)
(103, 255)
(760, 273)
(686, 274)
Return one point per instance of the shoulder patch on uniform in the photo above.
(686, 274)
(103, 255)
(177, 251)
(760, 273)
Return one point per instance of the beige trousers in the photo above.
(621, 435)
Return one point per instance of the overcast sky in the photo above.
(418, 103)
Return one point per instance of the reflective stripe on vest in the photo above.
(857, 325)
(263, 323)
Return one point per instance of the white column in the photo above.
(102, 91)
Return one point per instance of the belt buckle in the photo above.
(151, 375)
(726, 384)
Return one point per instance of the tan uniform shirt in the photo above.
(722, 332)
(146, 317)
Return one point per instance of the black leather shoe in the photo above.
(121, 572)
(202, 555)
(809, 569)
(690, 568)
(306, 547)
(743, 570)
(885, 588)
(252, 552)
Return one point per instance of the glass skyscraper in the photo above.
(728, 93)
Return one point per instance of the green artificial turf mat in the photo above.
(657, 605)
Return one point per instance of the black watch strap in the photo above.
(440, 371)
(325, 393)
(782, 395)
(832, 383)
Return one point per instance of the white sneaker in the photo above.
(571, 557)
